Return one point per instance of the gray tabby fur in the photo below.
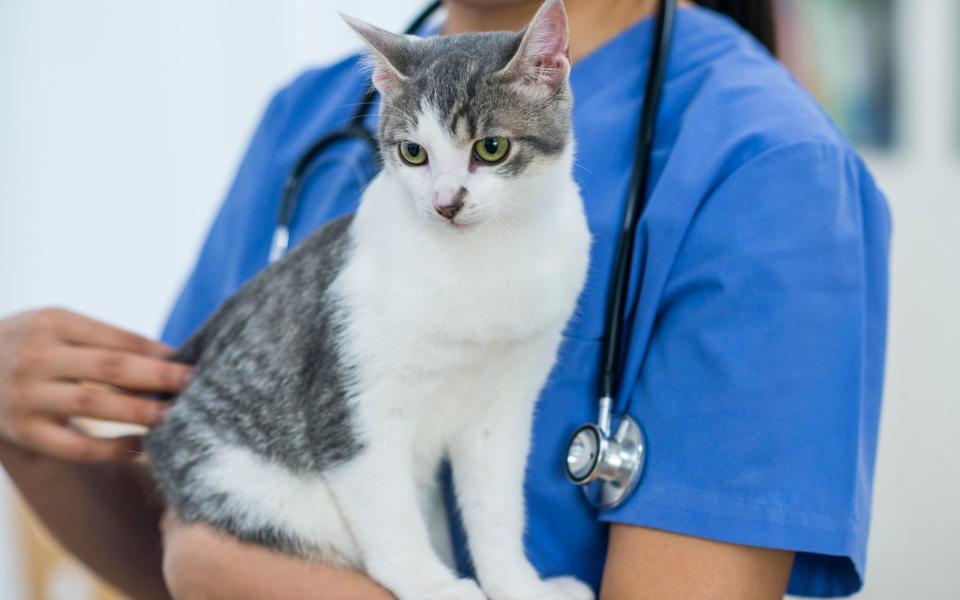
(268, 377)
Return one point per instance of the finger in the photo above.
(63, 442)
(77, 400)
(121, 369)
(78, 329)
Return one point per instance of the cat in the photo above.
(331, 387)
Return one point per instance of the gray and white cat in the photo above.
(328, 391)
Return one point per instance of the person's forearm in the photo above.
(292, 580)
(202, 563)
(644, 563)
(100, 512)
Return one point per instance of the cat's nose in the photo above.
(449, 206)
(448, 210)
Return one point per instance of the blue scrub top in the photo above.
(756, 349)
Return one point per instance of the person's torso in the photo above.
(724, 101)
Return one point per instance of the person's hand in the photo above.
(201, 563)
(55, 365)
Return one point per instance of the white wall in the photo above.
(121, 123)
(915, 542)
(120, 126)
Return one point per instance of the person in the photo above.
(754, 361)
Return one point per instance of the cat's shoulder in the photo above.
(313, 263)
(331, 239)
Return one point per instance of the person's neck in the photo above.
(592, 22)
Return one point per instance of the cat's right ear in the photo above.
(541, 63)
(389, 53)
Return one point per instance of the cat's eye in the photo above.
(491, 149)
(413, 154)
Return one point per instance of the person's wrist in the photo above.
(11, 451)
(25, 464)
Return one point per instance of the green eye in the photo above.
(491, 149)
(413, 153)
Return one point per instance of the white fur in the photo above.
(265, 495)
(454, 328)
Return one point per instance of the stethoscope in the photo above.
(605, 458)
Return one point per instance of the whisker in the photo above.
(580, 165)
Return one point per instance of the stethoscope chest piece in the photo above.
(607, 468)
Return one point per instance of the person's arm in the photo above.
(201, 563)
(86, 490)
(651, 564)
(101, 513)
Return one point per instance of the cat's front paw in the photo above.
(567, 588)
(460, 589)
(556, 588)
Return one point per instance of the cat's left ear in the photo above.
(541, 64)
(390, 54)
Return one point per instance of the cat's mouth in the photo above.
(451, 224)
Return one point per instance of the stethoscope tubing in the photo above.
(635, 206)
(601, 488)
(354, 129)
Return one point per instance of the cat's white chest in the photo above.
(432, 318)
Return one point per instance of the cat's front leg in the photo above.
(489, 460)
(377, 494)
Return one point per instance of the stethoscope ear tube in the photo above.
(609, 468)
(294, 182)
(353, 130)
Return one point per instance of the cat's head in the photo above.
(473, 124)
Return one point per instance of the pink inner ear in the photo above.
(553, 61)
(383, 79)
(548, 35)
(545, 56)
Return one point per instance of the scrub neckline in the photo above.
(606, 63)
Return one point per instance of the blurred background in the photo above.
(121, 123)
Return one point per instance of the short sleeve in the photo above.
(760, 387)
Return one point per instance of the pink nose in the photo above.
(450, 207)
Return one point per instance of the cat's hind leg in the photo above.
(240, 492)
(271, 505)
